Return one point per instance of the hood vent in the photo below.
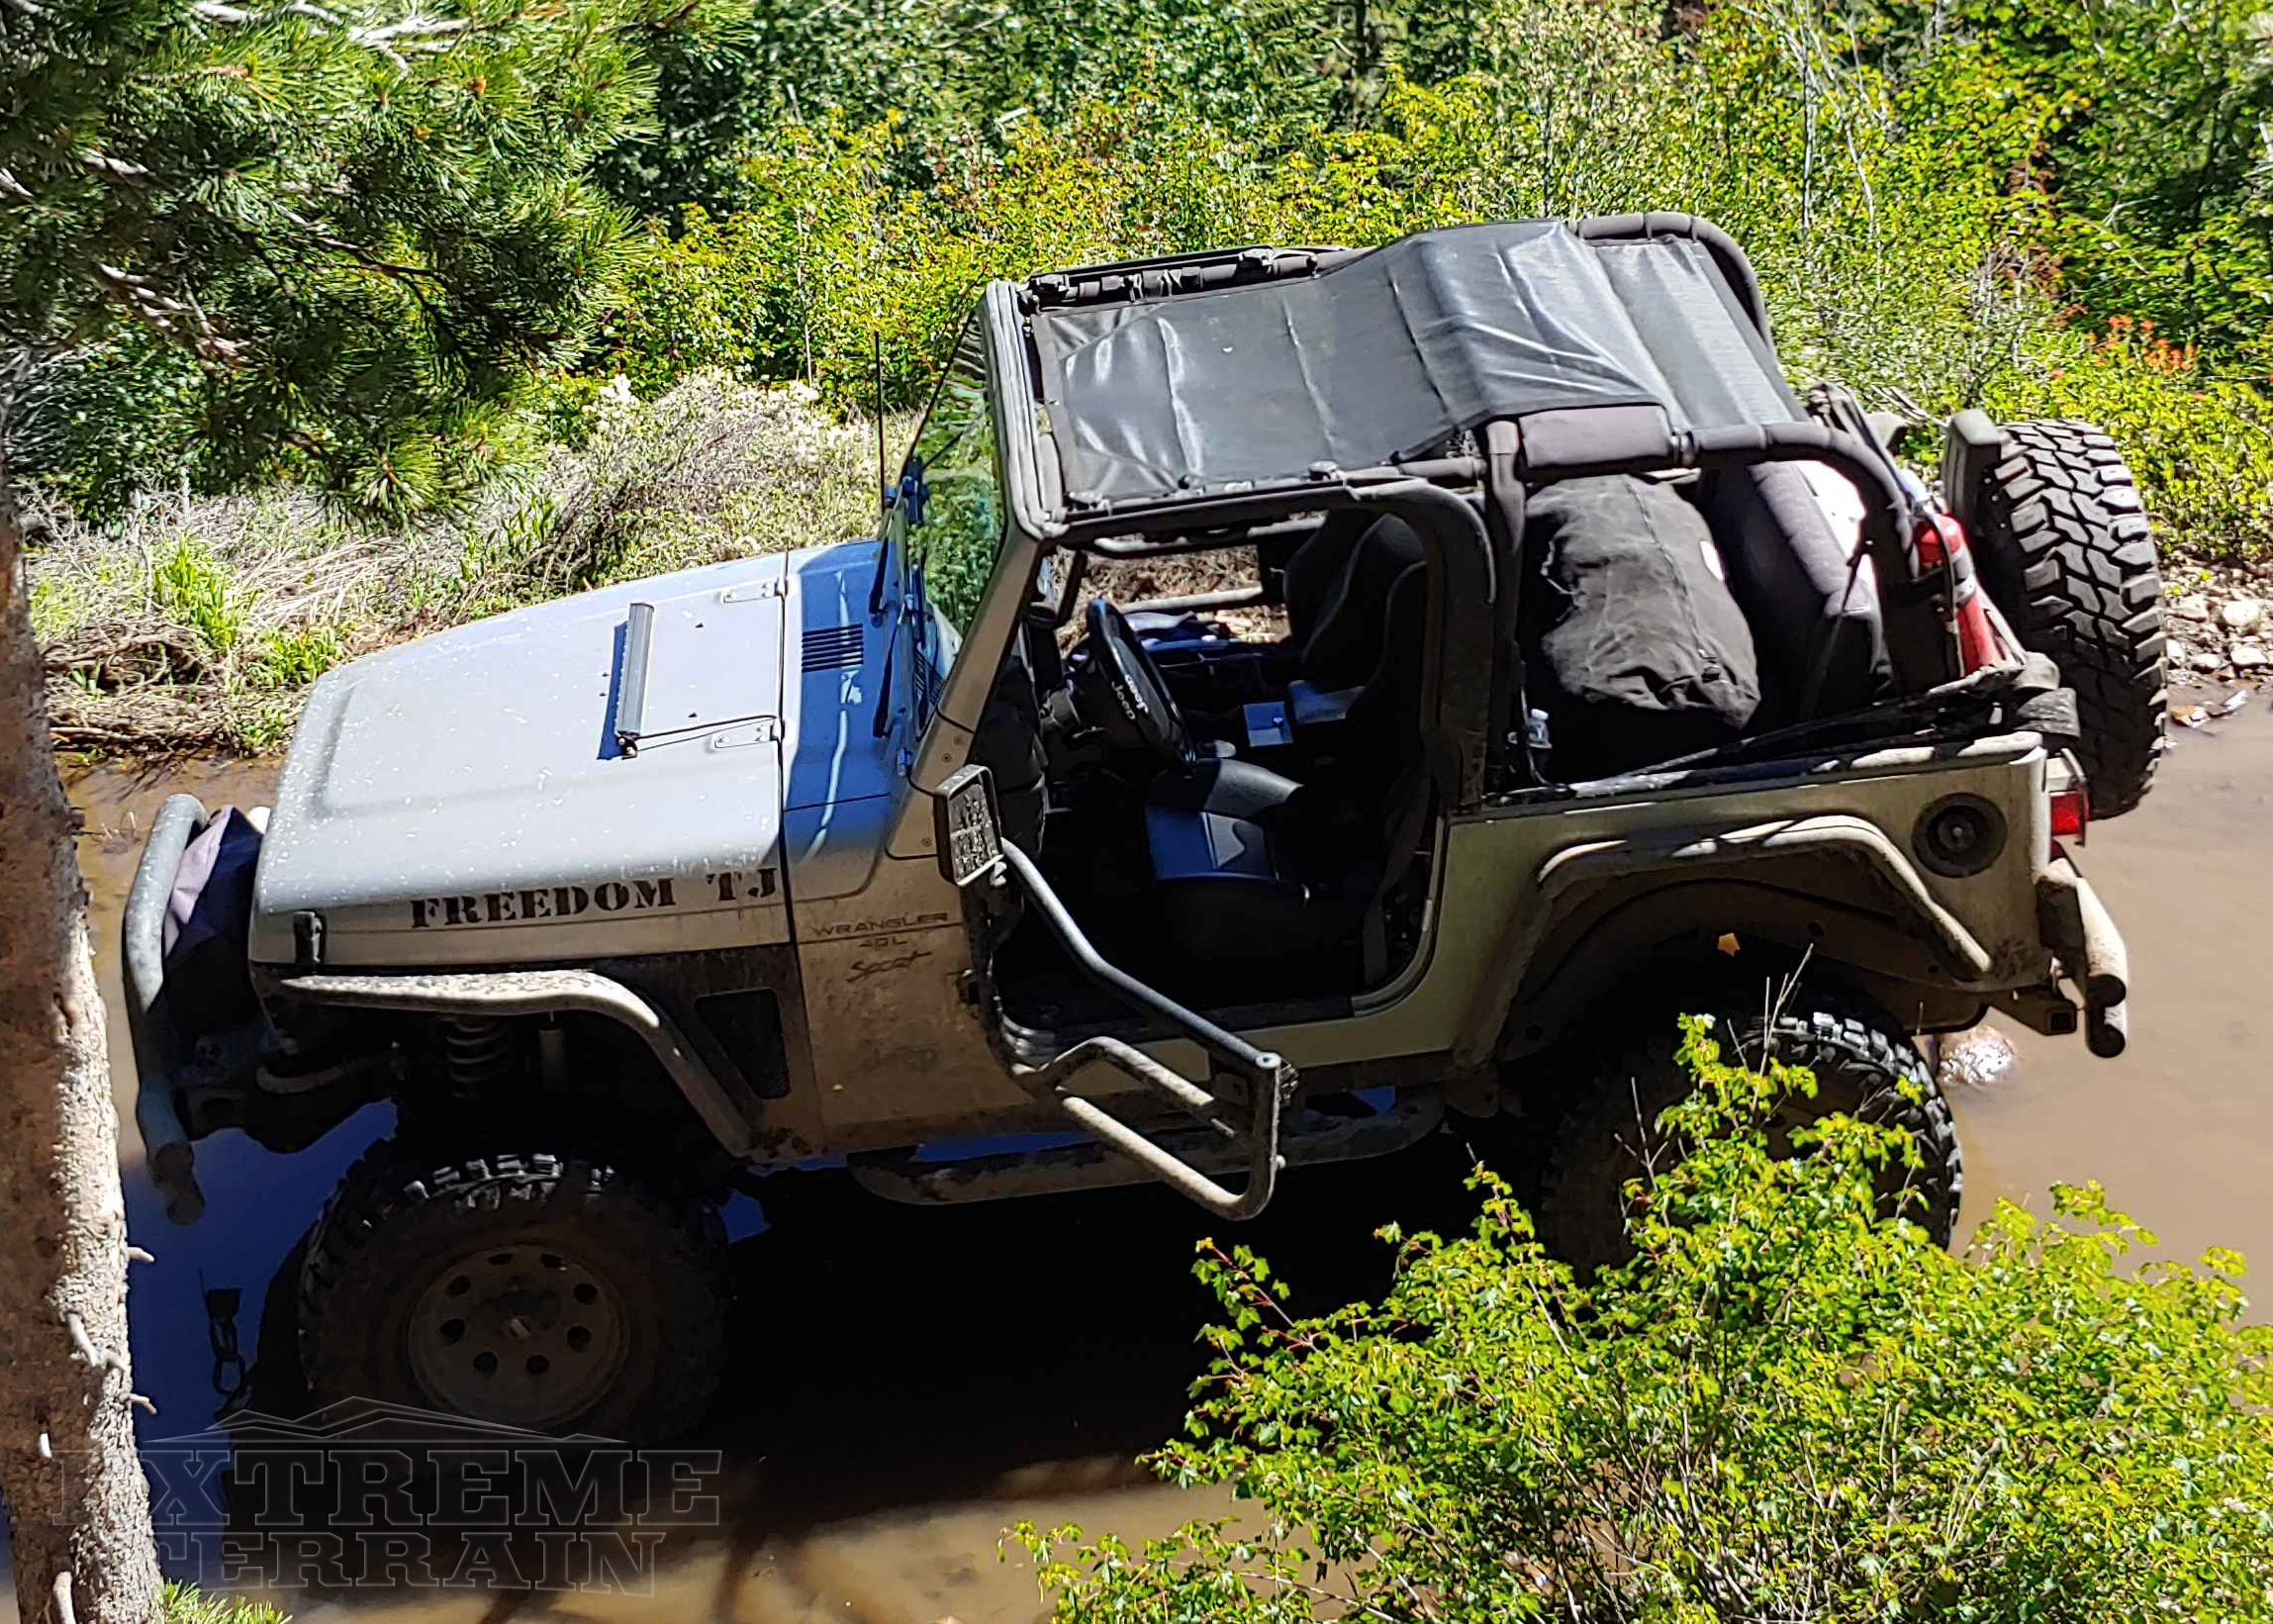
(832, 647)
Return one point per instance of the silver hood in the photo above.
(471, 796)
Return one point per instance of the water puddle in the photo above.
(911, 1381)
(2179, 1128)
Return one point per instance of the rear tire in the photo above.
(523, 1290)
(2066, 552)
(1865, 1065)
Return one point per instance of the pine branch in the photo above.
(109, 167)
(363, 256)
(172, 319)
(390, 39)
(213, 11)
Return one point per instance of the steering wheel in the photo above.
(1139, 707)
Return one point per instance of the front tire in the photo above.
(2066, 551)
(1864, 1066)
(525, 1290)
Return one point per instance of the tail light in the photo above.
(1941, 539)
(2071, 814)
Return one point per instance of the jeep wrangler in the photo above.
(1567, 653)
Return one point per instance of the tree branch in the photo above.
(213, 11)
(110, 168)
(170, 318)
(390, 39)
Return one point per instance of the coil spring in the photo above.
(477, 1050)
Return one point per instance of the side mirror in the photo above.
(968, 832)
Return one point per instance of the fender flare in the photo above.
(504, 994)
(1570, 880)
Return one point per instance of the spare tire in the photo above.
(2065, 552)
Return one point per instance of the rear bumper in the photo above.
(157, 1115)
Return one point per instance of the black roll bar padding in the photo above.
(1456, 690)
(1173, 274)
(1457, 473)
(1584, 441)
(1734, 264)
(1269, 1080)
(1508, 731)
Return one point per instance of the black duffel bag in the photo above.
(1643, 653)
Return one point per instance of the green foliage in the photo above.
(1885, 187)
(1784, 1407)
(363, 226)
(2201, 445)
(184, 1604)
(294, 656)
(2156, 166)
(946, 72)
(56, 608)
(191, 587)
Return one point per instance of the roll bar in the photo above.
(1579, 443)
(1463, 574)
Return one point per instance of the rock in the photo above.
(1977, 1058)
(2207, 659)
(2250, 657)
(2191, 607)
(2240, 613)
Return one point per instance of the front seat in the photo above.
(1251, 867)
(1347, 631)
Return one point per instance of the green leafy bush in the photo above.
(1784, 1407)
(2202, 446)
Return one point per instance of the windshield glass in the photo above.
(950, 502)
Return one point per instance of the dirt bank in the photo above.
(195, 627)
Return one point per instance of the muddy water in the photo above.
(909, 1383)
(2180, 1129)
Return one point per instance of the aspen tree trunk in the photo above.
(70, 1477)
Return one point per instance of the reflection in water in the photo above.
(911, 1381)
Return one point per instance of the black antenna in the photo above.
(884, 489)
(883, 463)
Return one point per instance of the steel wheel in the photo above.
(528, 1290)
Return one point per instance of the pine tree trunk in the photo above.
(70, 1477)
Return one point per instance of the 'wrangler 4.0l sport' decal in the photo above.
(723, 888)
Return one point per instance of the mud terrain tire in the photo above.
(597, 1304)
(1864, 1062)
(2066, 553)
